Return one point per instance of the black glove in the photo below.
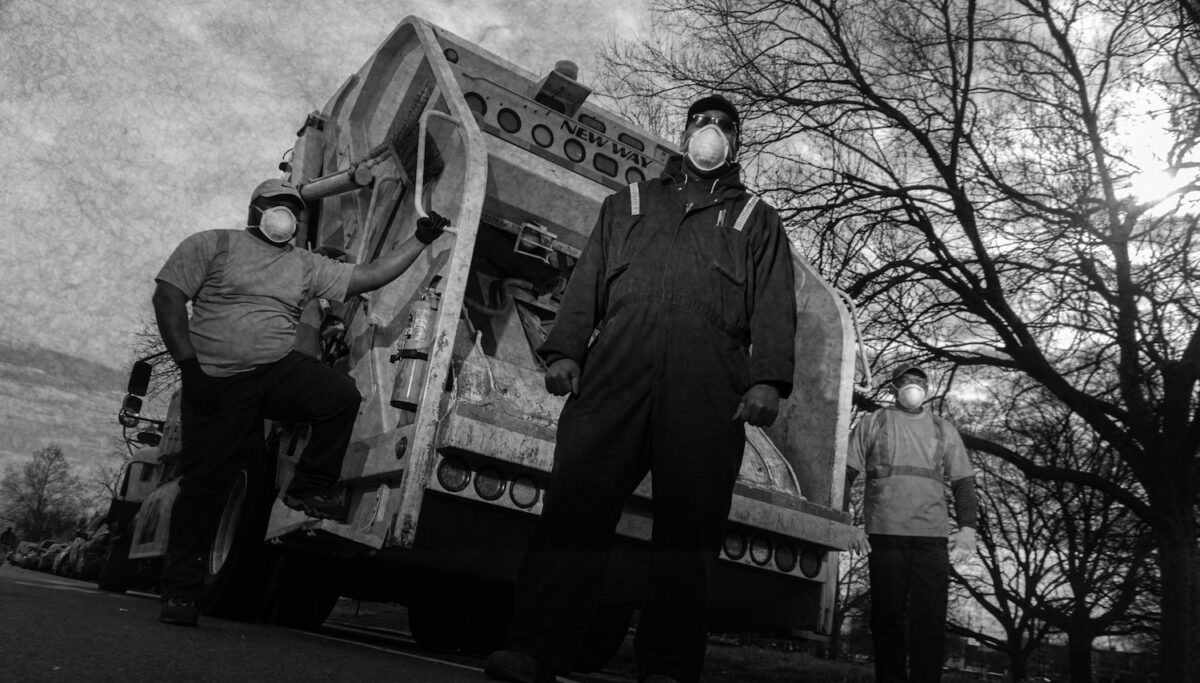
(430, 228)
(199, 390)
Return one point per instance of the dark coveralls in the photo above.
(678, 294)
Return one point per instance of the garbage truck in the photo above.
(454, 440)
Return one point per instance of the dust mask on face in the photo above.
(911, 396)
(708, 148)
(278, 224)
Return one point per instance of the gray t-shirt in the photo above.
(908, 457)
(247, 296)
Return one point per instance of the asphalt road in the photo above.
(58, 629)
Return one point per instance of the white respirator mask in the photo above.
(708, 148)
(278, 224)
(911, 396)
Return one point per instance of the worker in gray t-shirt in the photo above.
(910, 457)
(248, 289)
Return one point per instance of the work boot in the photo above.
(517, 667)
(179, 612)
(317, 507)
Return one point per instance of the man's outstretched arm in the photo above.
(367, 277)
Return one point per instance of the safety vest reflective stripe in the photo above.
(745, 215)
(882, 445)
(635, 200)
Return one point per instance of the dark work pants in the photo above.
(296, 388)
(648, 402)
(909, 581)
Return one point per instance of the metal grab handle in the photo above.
(419, 200)
(862, 350)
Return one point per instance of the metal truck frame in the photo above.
(454, 441)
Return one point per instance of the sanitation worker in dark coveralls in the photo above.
(248, 289)
(689, 280)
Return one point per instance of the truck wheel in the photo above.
(237, 565)
(461, 615)
(304, 590)
(604, 637)
(118, 572)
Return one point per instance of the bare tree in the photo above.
(44, 497)
(1010, 568)
(963, 170)
(103, 479)
(852, 600)
(1104, 554)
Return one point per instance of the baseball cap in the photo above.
(908, 369)
(714, 102)
(275, 187)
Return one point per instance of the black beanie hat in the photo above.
(714, 102)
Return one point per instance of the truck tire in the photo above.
(118, 572)
(238, 563)
(304, 589)
(605, 636)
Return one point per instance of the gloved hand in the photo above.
(333, 338)
(859, 544)
(562, 377)
(759, 405)
(962, 544)
(199, 390)
(430, 228)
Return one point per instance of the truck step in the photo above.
(295, 529)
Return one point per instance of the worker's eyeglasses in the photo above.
(701, 120)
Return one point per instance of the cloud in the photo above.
(129, 126)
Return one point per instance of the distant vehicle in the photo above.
(59, 566)
(87, 552)
(45, 562)
(34, 555)
(17, 556)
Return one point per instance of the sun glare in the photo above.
(1153, 186)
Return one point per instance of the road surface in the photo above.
(58, 629)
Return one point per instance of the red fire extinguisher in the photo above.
(413, 351)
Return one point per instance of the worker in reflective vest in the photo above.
(909, 454)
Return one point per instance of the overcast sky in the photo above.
(127, 125)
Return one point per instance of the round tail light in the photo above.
(453, 474)
(785, 557)
(524, 492)
(735, 544)
(810, 561)
(760, 550)
(489, 484)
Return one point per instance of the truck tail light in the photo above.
(524, 492)
(453, 474)
(785, 557)
(489, 484)
(810, 561)
(760, 550)
(735, 544)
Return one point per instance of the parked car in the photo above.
(17, 556)
(46, 561)
(59, 566)
(86, 553)
(34, 555)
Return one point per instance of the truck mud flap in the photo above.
(294, 529)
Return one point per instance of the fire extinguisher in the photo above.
(413, 351)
